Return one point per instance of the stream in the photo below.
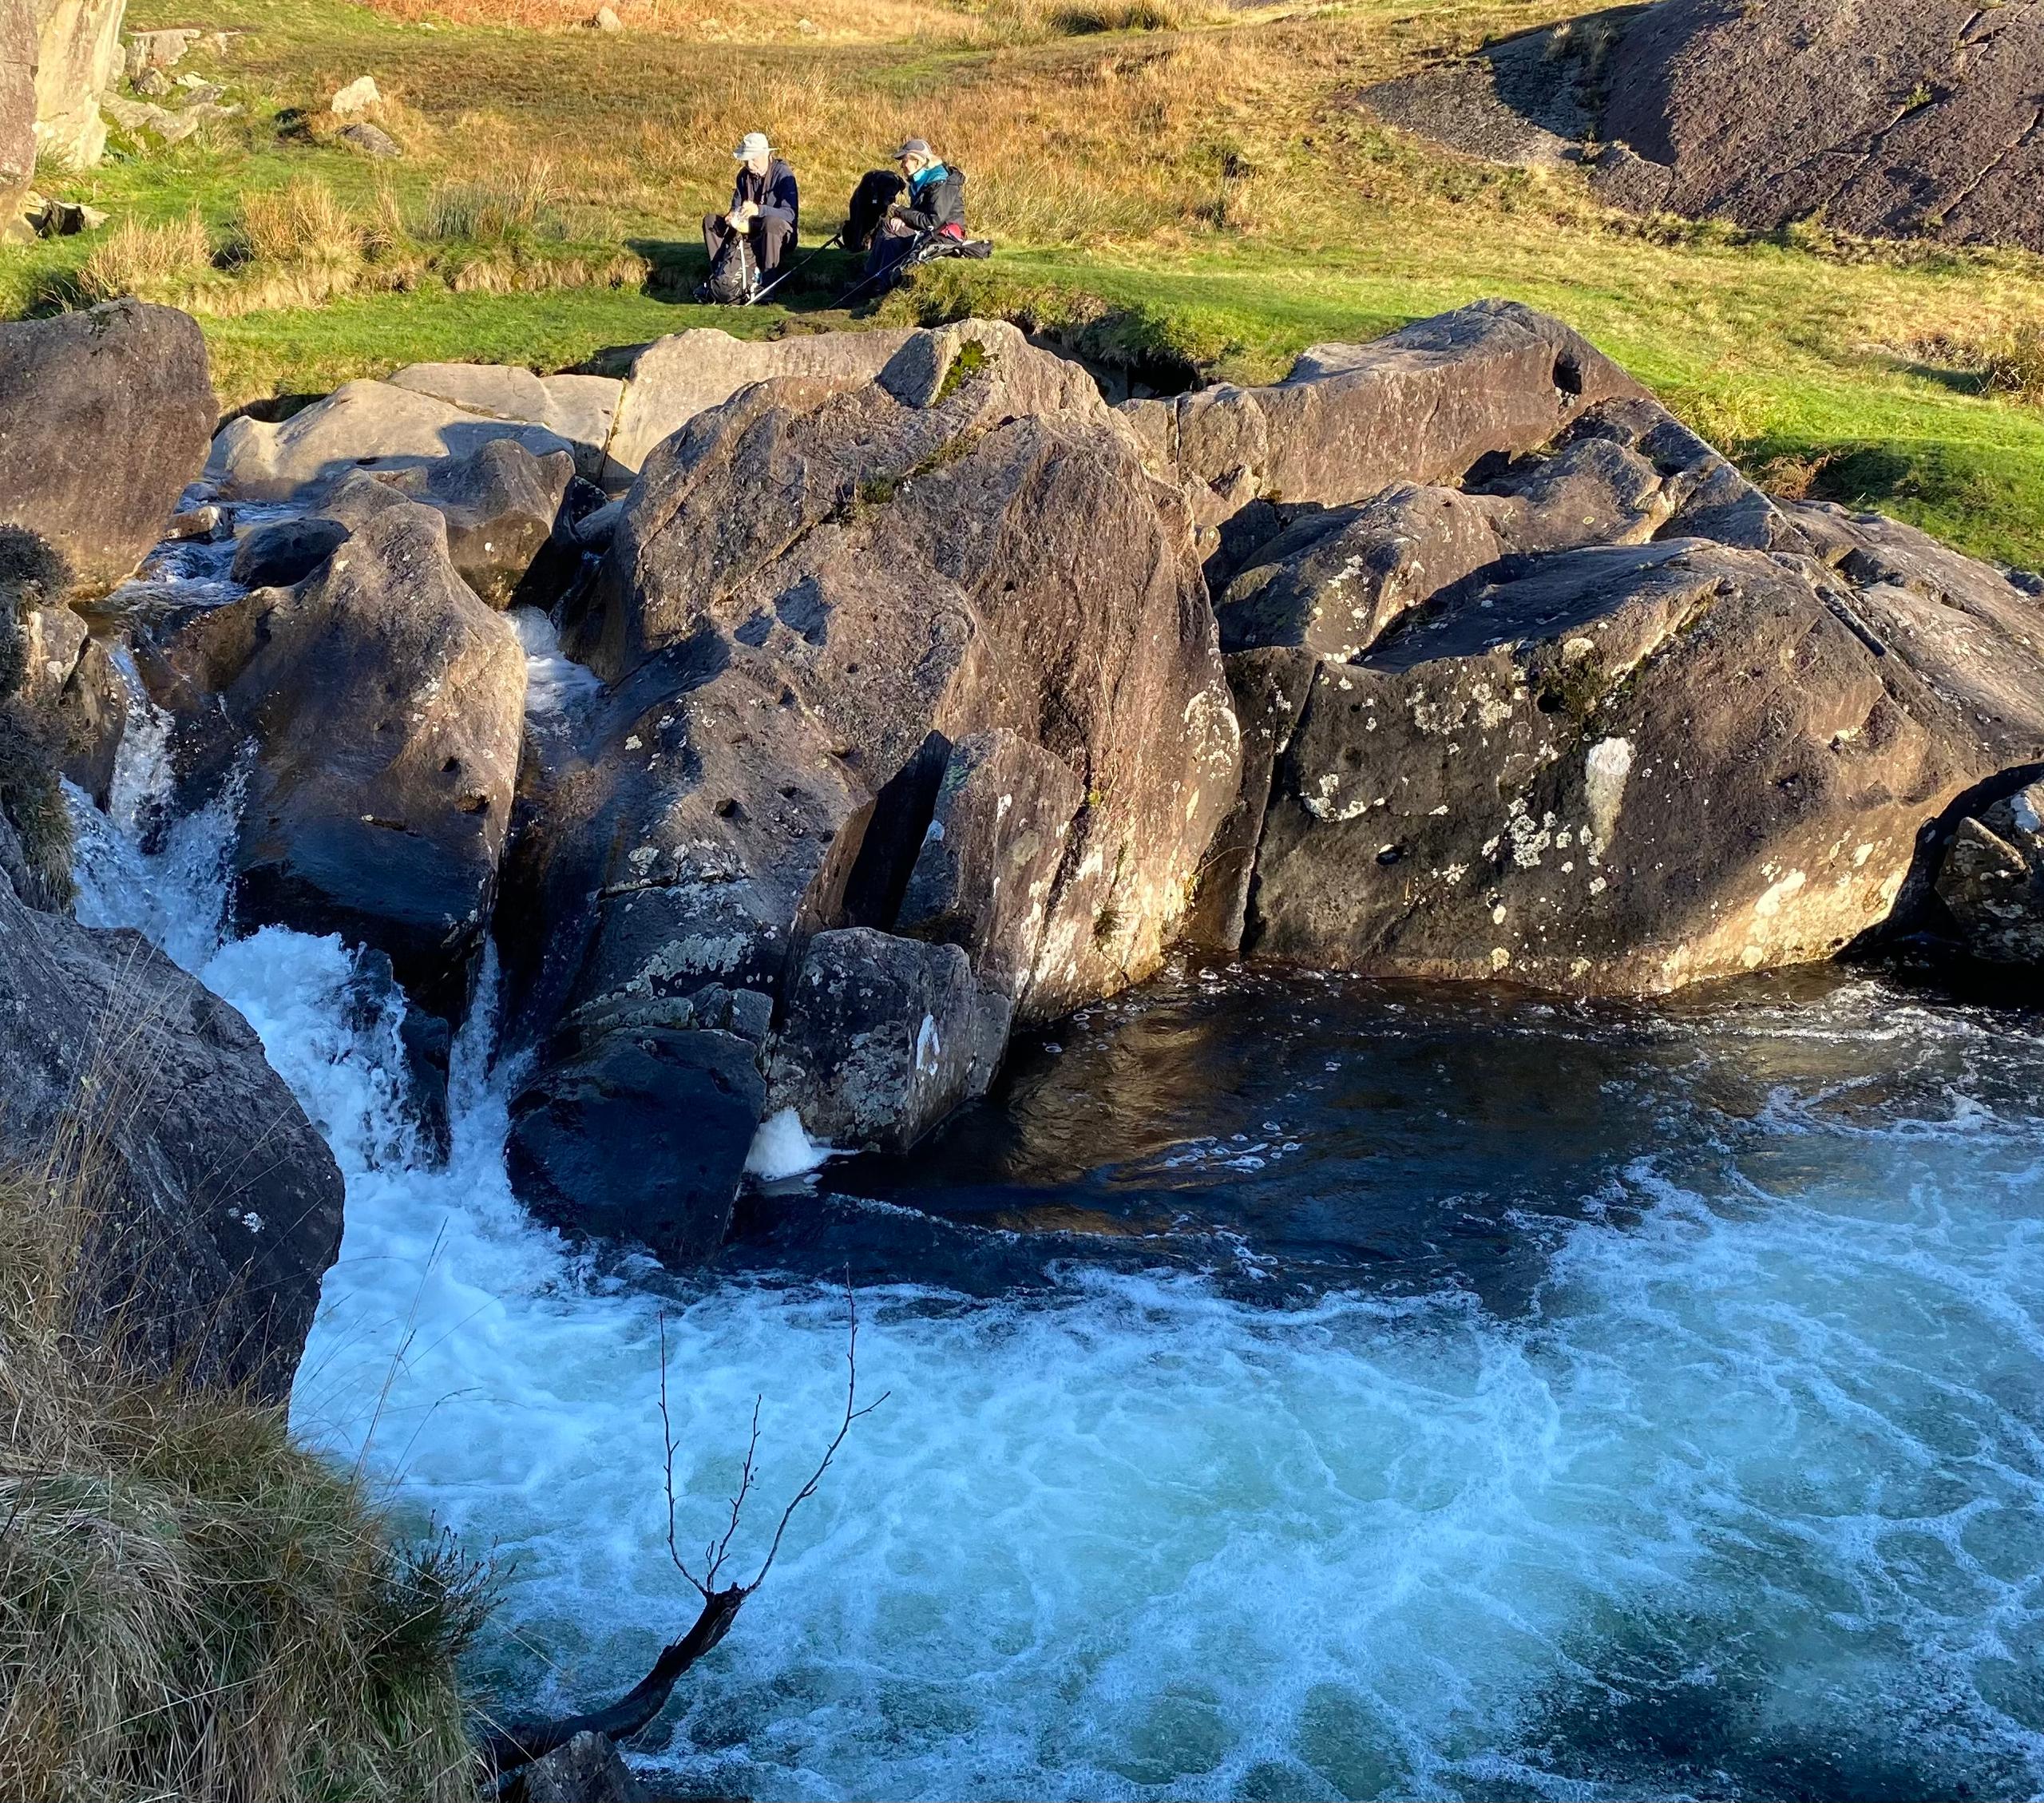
(1295, 1388)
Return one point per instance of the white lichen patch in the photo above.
(1778, 894)
(1604, 772)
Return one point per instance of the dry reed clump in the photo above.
(2011, 362)
(300, 244)
(191, 1607)
(137, 258)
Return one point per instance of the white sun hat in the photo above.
(752, 144)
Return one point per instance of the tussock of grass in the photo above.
(301, 222)
(138, 258)
(301, 245)
(191, 1605)
(512, 207)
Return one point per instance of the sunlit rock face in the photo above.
(926, 657)
(1604, 720)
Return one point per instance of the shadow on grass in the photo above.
(815, 282)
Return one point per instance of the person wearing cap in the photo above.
(765, 203)
(935, 202)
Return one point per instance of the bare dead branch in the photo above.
(853, 1412)
(505, 1750)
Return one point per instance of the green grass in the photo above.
(1206, 200)
(1757, 369)
(191, 1605)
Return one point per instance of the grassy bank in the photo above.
(192, 1606)
(1200, 192)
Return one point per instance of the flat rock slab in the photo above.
(579, 408)
(673, 379)
(374, 426)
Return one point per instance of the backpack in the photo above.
(733, 275)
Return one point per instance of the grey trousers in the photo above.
(771, 239)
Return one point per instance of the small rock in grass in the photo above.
(66, 218)
(606, 20)
(371, 140)
(358, 95)
(153, 83)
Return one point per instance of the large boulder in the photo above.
(1428, 404)
(18, 55)
(1886, 120)
(1991, 881)
(105, 418)
(385, 706)
(881, 1037)
(78, 58)
(1710, 742)
(217, 1206)
(372, 426)
(831, 613)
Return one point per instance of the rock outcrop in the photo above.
(1428, 404)
(937, 697)
(1895, 122)
(1611, 722)
(104, 417)
(1917, 121)
(219, 1204)
(1991, 881)
(384, 703)
(819, 596)
(78, 58)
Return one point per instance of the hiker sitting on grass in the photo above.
(765, 205)
(935, 203)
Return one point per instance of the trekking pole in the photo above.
(900, 264)
(754, 298)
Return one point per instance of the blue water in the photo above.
(1297, 1388)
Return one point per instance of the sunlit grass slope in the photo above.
(1192, 189)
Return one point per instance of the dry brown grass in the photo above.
(192, 1607)
(138, 259)
(925, 22)
(301, 222)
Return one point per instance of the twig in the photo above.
(506, 1749)
(853, 1412)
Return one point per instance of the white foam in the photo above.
(782, 1148)
(1132, 1540)
(554, 683)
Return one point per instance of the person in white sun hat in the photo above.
(766, 205)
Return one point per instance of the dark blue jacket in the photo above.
(775, 193)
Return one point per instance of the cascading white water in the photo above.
(1747, 1502)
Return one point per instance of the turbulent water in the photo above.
(1296, 1389)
